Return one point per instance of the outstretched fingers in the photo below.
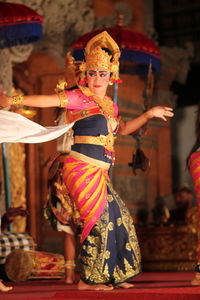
(164, 112)
(168, 111)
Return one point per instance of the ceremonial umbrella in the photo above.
(138, 52)
(19, 25)
(135, 48)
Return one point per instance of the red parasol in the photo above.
(19, 25)
(135, 47)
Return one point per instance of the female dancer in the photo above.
(193, 162)
(109, 254)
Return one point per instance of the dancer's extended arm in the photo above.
(161, 112)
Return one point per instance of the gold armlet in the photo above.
(61, 86)
(17, 99)
(63, 99)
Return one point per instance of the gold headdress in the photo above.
(97, 58)
(72, 71)
(72, 74)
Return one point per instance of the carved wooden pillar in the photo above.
(38, 80)
(32, 189)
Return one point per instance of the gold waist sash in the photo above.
(107, 141)
(90, 160)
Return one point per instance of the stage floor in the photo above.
(148, 286)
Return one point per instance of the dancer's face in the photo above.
(97, 81)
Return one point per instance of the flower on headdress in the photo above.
(117, 81)
(115, 67)
(83, 81)
(82, 67)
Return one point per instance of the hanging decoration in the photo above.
(139, 159)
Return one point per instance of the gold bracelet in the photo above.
(70, 264)
(63, 99)
(18, 99)
(70, 261)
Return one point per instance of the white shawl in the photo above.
(14, 128)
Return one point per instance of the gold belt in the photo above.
(107, 141)
(90, 160)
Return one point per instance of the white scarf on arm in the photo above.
(15, 128)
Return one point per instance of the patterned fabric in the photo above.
(86, 184)
(10, 241)
(194, 166)
(110, 253)
(77, 100)
(109, 250)
(95, 125)
(60, 210)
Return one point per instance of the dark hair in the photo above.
(197, 133)
(109, 53)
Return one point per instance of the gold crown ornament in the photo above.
(96, 58)
(72, 72)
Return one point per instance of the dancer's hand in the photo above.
(133, 125)
(5, 101)
(162, 112)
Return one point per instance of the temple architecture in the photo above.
(36, 68)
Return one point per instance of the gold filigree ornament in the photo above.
(63, 99)
(72, 71)
(98, 59)
(18, 99)
(96, 56)
(61, 86)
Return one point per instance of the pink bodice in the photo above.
(76, 100)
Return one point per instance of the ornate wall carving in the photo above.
(64, 22)
(18, 182)
(9, 56)
(170, 248)
(111, 20)
(175, 64)
(5, 70)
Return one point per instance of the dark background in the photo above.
(178, 22)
